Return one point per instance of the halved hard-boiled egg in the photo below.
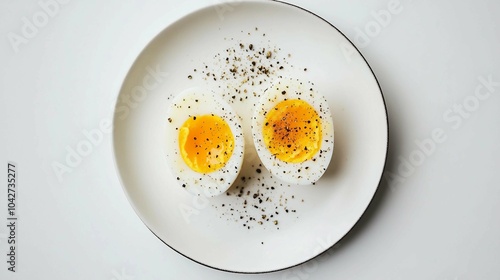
(205, 143)
(293, 133)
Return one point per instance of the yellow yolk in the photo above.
(292, 131)
(206, 143)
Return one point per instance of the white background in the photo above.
(435, 216)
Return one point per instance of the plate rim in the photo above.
(114, 152)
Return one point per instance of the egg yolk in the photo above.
(292, 131)
(206, 143)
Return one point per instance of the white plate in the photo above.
(202, 229)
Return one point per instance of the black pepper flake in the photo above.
(242, 66)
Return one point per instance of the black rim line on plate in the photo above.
(371, 200)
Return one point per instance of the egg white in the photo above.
(196, 102)
(311, 170)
